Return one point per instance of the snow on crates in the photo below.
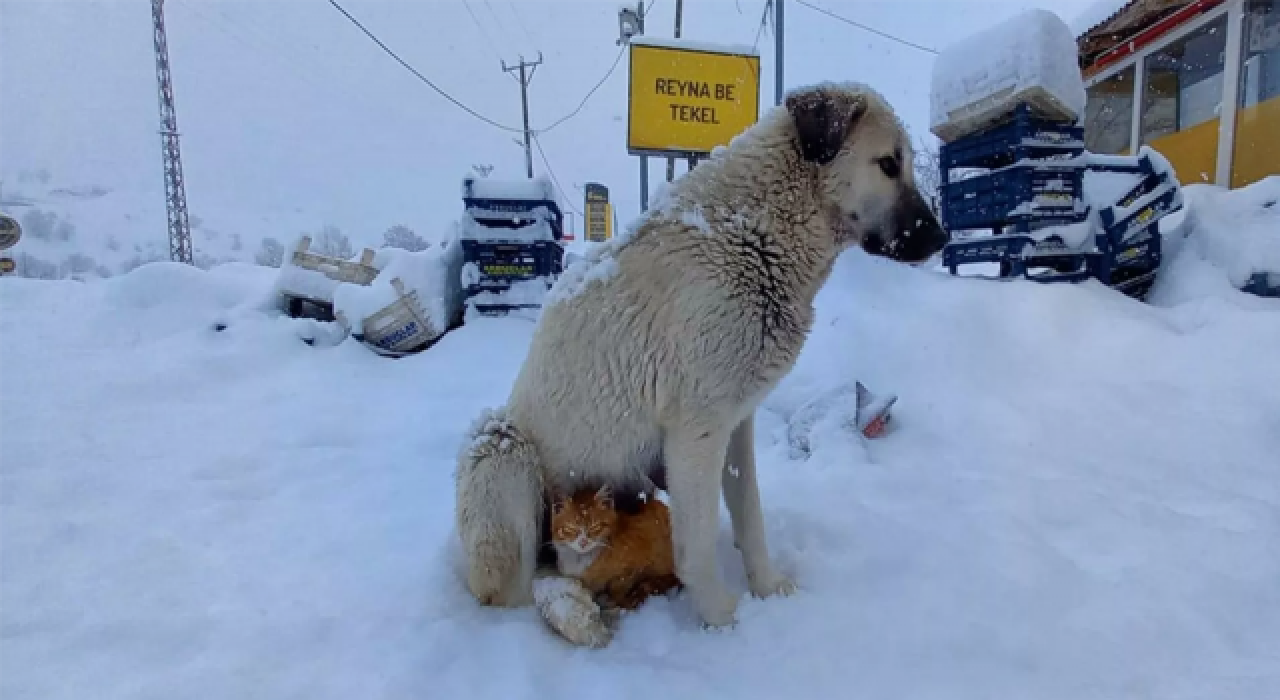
(1029, 58)
(415, 299)
(394, 300)
(307, 279)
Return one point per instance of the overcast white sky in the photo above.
(284, 105)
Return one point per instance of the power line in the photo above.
(592, 91)
(538, 142)
(420, 76)
(617, 59)
(764, 20)
(520, 21)
(483, 32)
(864, 27)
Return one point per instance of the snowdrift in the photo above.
(1078, 499)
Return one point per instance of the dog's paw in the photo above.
(717, 609)
(770, 584)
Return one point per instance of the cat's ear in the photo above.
(605, 496)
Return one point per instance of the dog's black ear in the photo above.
(823, 118)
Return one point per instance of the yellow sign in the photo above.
(598, 211)
(686, 98)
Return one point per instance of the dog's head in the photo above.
(864, 162)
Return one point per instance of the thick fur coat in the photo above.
(656, 350)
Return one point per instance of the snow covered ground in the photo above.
(1079, 499)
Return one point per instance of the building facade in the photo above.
(1197, 80)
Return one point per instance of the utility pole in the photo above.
(671, 162)
(175, 191)
(777, 50)
(525, 78)
(631, 24)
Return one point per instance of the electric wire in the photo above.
(864, 27)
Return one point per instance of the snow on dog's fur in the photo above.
(657, 350)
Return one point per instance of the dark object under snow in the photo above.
(1035, 180)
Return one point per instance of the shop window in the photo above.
(1108, 115)
(1183, 98)
(1257, 138)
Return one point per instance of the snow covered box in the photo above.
(1030, 58)
(307, 280)
(415, 299)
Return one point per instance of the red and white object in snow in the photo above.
(872, 413)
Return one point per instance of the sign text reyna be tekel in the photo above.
(686, 100)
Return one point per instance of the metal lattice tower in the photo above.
(175, 191)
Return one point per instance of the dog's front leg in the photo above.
(742, 496)
(694, 458)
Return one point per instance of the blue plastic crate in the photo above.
(1140, 210)
(503, 263)
(1021, 256)
(1024, 197)
(1023, 135)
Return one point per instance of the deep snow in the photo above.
(1079, 499)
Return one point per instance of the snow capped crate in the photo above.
(493, 268)
(337, 269)
(1024, 197)
(403, 326)
(1023, 136)
(1142, 207)
(1020, 255)
(1030, 58)
(1131, 268)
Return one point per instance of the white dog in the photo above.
(658, 348)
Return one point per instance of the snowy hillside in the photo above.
(1079, 499)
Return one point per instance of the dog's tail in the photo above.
(499, 510)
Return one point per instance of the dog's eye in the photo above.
(889, 165)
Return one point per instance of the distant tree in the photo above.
(27, 265)
(928, 171)
(401, 236)
(39, 224)
(65, 231)
(113, 243)
(270, 254)
(333, 242)
(236, 243)
(102, 271)
(141, 259)
(76, 265)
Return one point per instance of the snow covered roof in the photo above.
(695, 45)
(1097, 14)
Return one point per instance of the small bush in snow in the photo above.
(65, 231)
(403, 237)
(928, 171)
(270, 254)
(332, 242)
(76, 264)
(236, 244)
(27, 265)
(39, 224)
(113, 243)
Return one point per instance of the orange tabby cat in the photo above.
(622, 557)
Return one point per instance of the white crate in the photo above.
(362, 272)
(403, 326)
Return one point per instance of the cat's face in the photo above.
(584, 521)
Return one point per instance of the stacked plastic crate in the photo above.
(1031, 178)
